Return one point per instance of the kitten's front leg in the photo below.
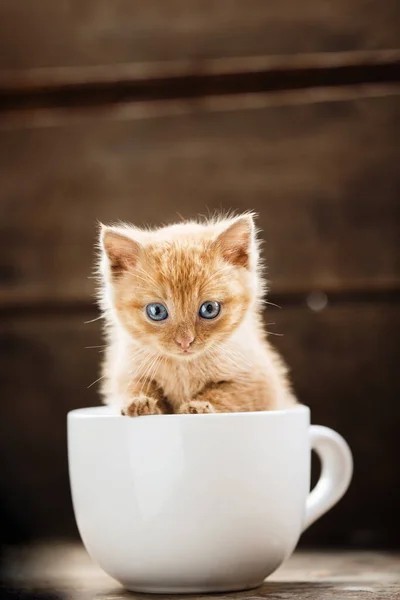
(141, 405)
(223, 396)
(143, 400)
(196, 407)
(215, 397)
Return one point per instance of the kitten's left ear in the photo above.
(237, 241)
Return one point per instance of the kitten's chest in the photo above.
(181, 381)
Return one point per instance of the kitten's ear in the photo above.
(237, 241)
(121, 250)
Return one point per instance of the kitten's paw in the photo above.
(141, 406)
(196, 407)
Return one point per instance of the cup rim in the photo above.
(108, 412)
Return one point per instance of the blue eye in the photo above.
(210, 310)
(156, 311)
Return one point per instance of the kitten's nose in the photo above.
(184, 341)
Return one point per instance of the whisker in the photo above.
(238, 360)
(145, 376)
(139, 351)
(154, 370)
(97, 380)
(235, 358)
(271, 303)
(272, 332)
(89, 347)
(93, 320)
(146, 366)
(133, 373)
(142, 364)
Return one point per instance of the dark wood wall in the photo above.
(140, 110)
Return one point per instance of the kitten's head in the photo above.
(182, 289)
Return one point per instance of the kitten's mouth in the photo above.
(185, 353)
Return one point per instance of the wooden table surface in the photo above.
(65, 572)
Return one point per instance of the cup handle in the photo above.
(336, 471)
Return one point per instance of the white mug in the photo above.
(199, 503)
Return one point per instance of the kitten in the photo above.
(182, 306)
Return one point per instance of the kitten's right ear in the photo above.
(236, 242)
(122, 251)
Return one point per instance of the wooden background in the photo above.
(140, 110)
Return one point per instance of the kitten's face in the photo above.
(181, 294)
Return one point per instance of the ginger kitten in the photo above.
(182, 306)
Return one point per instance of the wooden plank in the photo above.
(181, 78)
(66, 570)
(323, 175)
(99, 32)
(343, 361)
(45, 371)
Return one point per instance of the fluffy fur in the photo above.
(186, 364)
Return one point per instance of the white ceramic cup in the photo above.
(199, 503)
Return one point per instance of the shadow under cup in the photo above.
(199, 503)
